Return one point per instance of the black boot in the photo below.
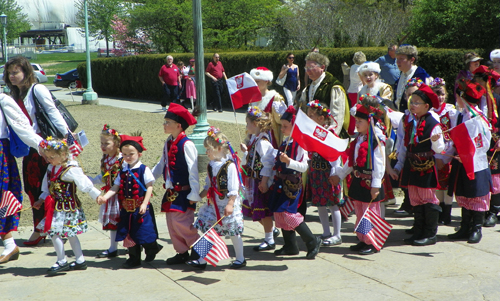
(477, 222)
(418, 225)
(290, 247)
(312, 242)
(178, 258)
(134, 257)
(465, 225)
(446, 214)
(151, 250)
(431, 214)
(491, 215)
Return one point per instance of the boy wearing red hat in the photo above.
(472, 195)
(134, 186)
(421, 139)
(179, 167)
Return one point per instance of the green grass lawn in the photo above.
(54, 63)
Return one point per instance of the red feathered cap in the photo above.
(432, 99)
(136, 139)
(179, 114)
(489, 72)
(473, 92)
(289, 114)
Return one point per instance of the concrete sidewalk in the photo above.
(445, 271)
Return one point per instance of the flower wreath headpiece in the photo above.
(212, 132)
(414, 82)
(254, 111)
(50, 143)
(438, 81)
(315, 104)
(362, 97)
(110, 131)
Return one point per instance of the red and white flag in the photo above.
(10, 205)
(375, 228)
(243, 90)
(314, 138)
(211, 247)
(472, 141)
(347, 208)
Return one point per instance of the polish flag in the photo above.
(314, 138)
(472, 141)
(243, 90)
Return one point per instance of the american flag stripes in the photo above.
(211, 248)
(74, 147)
(347, 208)
(375, 228)
(10, 205)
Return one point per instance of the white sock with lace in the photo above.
(238, 247)
(323, 218)
(10, 245)
(113, 245)
(77, 249)
(59, 247)
(336, 220)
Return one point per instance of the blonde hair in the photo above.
(217, 140)
(61, 149)
(263, 122)
(359, 58)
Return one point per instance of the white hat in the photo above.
(495, 54)
(369, 66)
(262, 73)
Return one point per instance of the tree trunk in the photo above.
(107, 46)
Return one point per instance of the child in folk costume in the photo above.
(256, 200)
(289, 162)
(319, 187)
(472, 195)
(64, 216)
(111, 162)
(448, 116)
(370, 74)
(366, 164)
(134, 186)
(222, 191)
(488, 79)
(421, 140)
(179, 167)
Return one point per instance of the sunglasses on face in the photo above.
(291, 57)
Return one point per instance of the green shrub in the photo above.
(137, 76)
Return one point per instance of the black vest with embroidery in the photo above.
(64, 193)
(221, 179)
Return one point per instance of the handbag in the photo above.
(281, 81)
(18, 148)
(45, 124)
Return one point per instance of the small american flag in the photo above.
(375, 228)
(211, 248)
(10, 205)
(74, 147)
(347, 208)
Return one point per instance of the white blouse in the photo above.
(18, 121)
(299, 165)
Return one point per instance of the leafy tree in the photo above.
(17, 21)
(128, 40)
(100, 14)
(455, 24)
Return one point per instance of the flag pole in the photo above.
(236, 120)
(493, 156)
(364, 213)
(293, 127)
(431, 137)
(206, 232)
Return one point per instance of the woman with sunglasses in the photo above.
(292, 83)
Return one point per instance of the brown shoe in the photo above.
(14, 255)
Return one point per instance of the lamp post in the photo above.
(89, 97)
(200, 131)
(3, 20)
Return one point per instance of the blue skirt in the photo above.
(9, 175)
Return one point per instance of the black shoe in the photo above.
(152, 253)
(264, 247)
(178, 258)
(276, 233)
(237, 264)
(107, 254)
(131, 264)
(425, 241)
(220, 111)
(214, 109)
(465, 226)
(311, 254)
(59, 268)
(368, 250)
(75, 266)
(196, 264)
(286, 251)
(360, 246)
(491, 220)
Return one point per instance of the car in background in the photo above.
(67, 79)
(39, 73)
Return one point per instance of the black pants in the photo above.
(171, 93)
(218, 88)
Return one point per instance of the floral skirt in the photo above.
(232, 225)
(320, 192)
(66, 224)
(10, 181)
(256, 203)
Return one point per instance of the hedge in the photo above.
(137, 76)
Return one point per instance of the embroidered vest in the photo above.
(221, 178)
(64, 193)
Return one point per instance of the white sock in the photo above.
(59, 247)
(269, 238)
(238, 247)
(9, 245)
(113, 245)
(382, 210)
(323, 218)
(336, 220)
(77, 249)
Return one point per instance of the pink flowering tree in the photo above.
(129, 41)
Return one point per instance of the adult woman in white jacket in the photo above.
(18, 75)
